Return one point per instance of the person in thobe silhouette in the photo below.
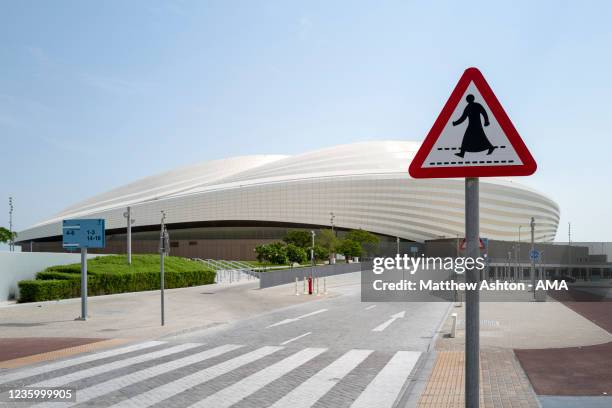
(474, 139)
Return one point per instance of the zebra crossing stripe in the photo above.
(243, 388)
(104, 368)
(384, 389)
(89, 393)
(29, 372)
(182, 384)
(309, 392)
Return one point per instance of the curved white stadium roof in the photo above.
(366, 185)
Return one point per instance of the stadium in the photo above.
(224, 208)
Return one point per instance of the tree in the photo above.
(350, 249)
(365, 239)
(362, 237)
(320, 253)
(263, 253)
(327, 239)
(295, 254)
(278, 253)
(6, 236)
(299, 238)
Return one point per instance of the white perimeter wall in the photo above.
(16, 266)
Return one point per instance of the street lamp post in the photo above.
(569, 248)
(509, 270)
(532, 269)
(11, 240)
(130, 221)
(164, 249)
(331, 220)
(312, 259)
(520, 274)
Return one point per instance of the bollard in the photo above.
(453, 331)
(310, 285)
(318, 293)
(305, 286)
(325, 286)
(296, 287)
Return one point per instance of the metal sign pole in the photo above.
(532, 269)
(472, 297)
(84, 283)
(129, 235)
(162, 288)
(162, 252)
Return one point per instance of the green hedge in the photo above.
(39, 290)
(62, 282)
(56, 285)
(51, 275)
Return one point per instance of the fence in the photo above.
(275, 278)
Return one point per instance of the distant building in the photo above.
(223, 208)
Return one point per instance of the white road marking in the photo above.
(384, 389)
(75, 361)
(89, 393)
(308, 393)
(243, 388)
(104, 368)
(295, 338)
(295, 319)
(370, 307)
(386, 324)
(182, 384)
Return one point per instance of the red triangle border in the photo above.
(529, 165)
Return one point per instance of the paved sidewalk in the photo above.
(502, 382)
(504, 327)
(137, 315)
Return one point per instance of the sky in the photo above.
(96, 94)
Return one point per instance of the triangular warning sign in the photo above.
(472, 137)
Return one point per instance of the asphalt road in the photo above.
(332, 352)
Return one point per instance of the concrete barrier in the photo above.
(275, 278)
(16, 266)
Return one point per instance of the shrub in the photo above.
(39, 290)
(52, 275)
(62, 282)
(349, 248)
(295, 254)
(274, 253)
(320, 253)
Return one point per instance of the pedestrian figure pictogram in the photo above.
(474, 139)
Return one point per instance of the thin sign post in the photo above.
(83, 234)
(83, 283)
(472, 297)
(164, 249)
(532, 269)
(472, 137)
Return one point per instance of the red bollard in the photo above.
(310, 285)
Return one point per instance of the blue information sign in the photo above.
(83, 234)
(534, 255)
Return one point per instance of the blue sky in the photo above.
(94, 94)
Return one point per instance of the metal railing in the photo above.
(228, 271)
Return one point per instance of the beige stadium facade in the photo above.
(223, 208)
